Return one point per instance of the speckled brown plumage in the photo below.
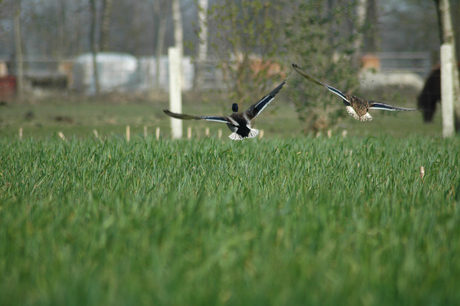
(355, 106)
(360, 106)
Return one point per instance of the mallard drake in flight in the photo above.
(238, 123)
(357, 108)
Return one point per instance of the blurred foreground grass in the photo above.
(303, 221)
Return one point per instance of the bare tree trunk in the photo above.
(203, 40)
(161, 10)
(439, 14)
(93, 45)
(78, 47)
(105, 27)
(361, 18)
(18, 47)
(373, 18)
(178, 32)
(447, 89)
(61, 41)
(448, 37)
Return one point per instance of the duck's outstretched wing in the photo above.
(387, 107)
(312, 79)
(258, 107)
(221, 119)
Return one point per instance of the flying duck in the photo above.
(356, 107)
(238, 123)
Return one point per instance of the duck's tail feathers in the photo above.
(252, 133)
(351, 112)
(235, 136)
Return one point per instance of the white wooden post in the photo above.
(178, 32)
(157, 133)
(449, 37)
(447, 90)
(145, 132)
(20, 133)
(175, 96)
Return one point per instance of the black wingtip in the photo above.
(295, 66)
(169, 113)
(275, 91)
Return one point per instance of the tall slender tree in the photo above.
(18, 47)
(203, 42)
(178, 31)
(161, 8)
(178, 34)
(361, 10)
(105, 24)
(93, 45)
(321, 41)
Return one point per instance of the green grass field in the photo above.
(281, 221)
(279, 120)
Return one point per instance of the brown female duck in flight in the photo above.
(355, 106)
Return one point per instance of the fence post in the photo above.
(447, 90)
(128, 133)
(61, 135)
(157, 133)
(175, 97)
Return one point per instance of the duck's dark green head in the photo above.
(235, 107)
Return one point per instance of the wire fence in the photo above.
(416, 62)
(130, 74)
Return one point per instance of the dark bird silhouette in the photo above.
(356, 107)
(29, 115)
(431, 94)
(238, 123)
